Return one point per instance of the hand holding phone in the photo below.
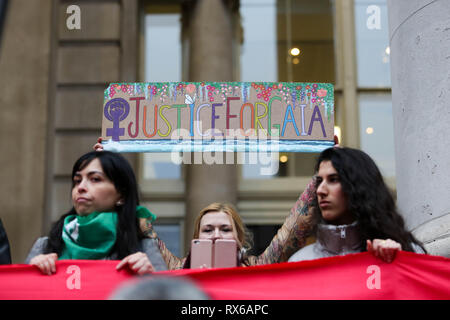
(225, 253)
(201, 253)
(208, 254)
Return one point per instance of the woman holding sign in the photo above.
(105, 222)
(354, 210)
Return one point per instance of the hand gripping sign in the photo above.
(218, 116)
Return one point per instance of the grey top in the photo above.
(331, 241)
(148, 246)
(334, 240)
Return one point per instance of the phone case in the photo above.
(225, 253)
(201, 253)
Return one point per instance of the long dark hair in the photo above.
(369, 199)
(119, 171)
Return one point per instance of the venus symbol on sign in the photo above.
(116, 110)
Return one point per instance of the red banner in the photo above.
(355, 276)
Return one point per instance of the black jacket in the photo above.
(5, 253)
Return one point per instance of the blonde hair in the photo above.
(243, 236)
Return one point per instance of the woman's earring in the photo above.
(119, 203)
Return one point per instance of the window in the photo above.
(283, 41)
(259, 49)
(170, 234)
(162, 43)
(372, 44)
(262, 235)
(377, 130)
(258, 62)
(373, 84)
(287, 40)
(161, 180)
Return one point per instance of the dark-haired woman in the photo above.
(105, 222)
(354, 210)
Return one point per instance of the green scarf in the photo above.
(92, 237)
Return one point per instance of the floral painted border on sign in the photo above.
(148, 115)
(317, 93)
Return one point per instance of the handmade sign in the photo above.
(218, 116)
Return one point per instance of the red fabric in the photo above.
(97, 280)
(410, 276)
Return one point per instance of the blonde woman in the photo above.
(221, 221)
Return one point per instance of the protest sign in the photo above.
(218, 116)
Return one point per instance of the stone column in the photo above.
(420, 72)
(210, 59)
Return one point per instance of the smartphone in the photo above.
(225, 253)
(201, 253)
